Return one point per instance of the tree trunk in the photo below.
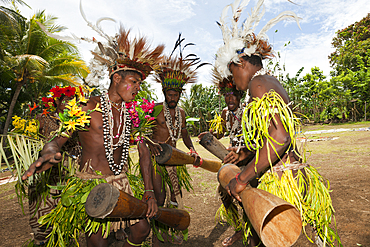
(11, 107)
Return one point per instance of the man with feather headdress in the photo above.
(106, 127)
(269, 126)
(174, 73)
(231, 121)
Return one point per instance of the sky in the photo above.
(161, 21)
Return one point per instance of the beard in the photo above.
(171, 104)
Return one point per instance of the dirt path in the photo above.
(344, 161)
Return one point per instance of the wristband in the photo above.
(149, 191)
(237, 180)
(147, 198)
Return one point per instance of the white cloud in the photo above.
(162, 20)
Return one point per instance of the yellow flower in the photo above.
(70, 124)
(89, 89)
(82, 99)
(97, 108)
(75, 111)
(83, 120)
(71, 103)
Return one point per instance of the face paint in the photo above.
(128, 87)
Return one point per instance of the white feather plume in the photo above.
(226, 32)
(237, 11)
(252, 21)
(241, 41)
(272, 22)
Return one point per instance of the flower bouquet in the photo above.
(143, 114)
(73, 117)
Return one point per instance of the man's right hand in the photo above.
(155, 148)
(200, 136)
(45, 162)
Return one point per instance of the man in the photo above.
(269, 126)
(173, 74)
(48, 125)
(105, 141)
(232, 122)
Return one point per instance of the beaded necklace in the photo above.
(235, 129)
(108, 125)
(261, 71)
(173, 127)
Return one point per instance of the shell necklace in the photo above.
(234, 129)
(124, 137)
(174, 128)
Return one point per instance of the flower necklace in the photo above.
(172, 128)
(124, 138)
(235, 129)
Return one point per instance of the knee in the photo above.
(140, 231)
(161, 197)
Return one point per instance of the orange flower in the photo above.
(45, 112)
(32, 108)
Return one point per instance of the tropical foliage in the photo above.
(352, 47)
(202, 103)
(32, 62)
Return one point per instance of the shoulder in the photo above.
(262, 84)
(182, 111)
(92, 103)
(224, 111)
(265, 83)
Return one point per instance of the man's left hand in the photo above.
(149, 198)
(234, 189)
(196, 157)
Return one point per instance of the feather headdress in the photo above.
(123, 54)
(117, 52)
(243, 41)
(175, 72)
(225, 85)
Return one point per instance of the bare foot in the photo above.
(230, 240)
(177, 239)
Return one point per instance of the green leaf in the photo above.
(156, 110)
(66, 200)
(84, 197)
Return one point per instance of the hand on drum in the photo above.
(197, 158)
(234, 188)
(149, 198)
(155, 148)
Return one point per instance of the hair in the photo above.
(253, 59)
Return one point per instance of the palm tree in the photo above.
(30, 56)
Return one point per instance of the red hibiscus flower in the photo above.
(69, 91)
(57, 91)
